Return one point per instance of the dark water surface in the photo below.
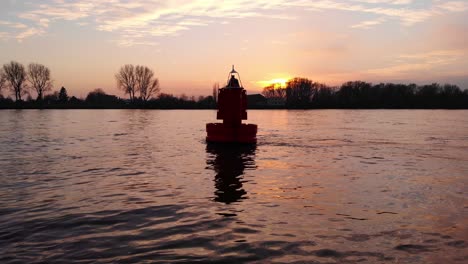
(134, 186)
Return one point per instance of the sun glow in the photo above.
(277, 82)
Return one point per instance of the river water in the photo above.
(321, 186)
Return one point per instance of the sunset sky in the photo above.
(192, 44)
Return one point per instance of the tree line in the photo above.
(143, 90)
(139, 82)
(304, 93)
(99, 99)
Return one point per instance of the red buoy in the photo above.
(232, 109)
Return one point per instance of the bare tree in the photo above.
(2, 79)
(269, 91)
(280, 92)
(146, 83)
(215, 92)
(183, 97)
(126, 80)
(39, 78)
(299, 92)
(15, 74)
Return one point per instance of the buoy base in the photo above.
(222, 133)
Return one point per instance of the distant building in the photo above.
(256, 100)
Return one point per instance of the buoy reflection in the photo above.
(229, 162)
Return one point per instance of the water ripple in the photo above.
(135, 186)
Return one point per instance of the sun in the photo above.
(281, 82)
(277, 82)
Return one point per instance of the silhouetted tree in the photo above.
(29, 98)
(63, 95)
(280, 92)
(6, 102)
(126, 80)
(51, 98)
(324, 97)
(428, 95)
(274, 91)
(75, 101)
(99, 98)
(15, 74)
(140, 79)
(451, 96)
(450, 90)
(215, 92)
(183, 97)
(269, 91)
(39, 78)
(353, 94)
(2, 80)
(299, 92)
(207, 102)
(303, 93)
(168, 101)
(429, 90)
(146, 83)
(396, 95)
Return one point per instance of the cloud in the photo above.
(22, 31)
(407, 64)
(28, 33)
(391, 2)
(368, 24)
(132, 42)
(143, 20)
(5, 35)
(12, 25)
(453, 6)
(407, 15)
